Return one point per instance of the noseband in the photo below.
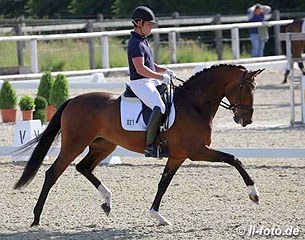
(234, 108)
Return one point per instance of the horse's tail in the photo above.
(44, 140)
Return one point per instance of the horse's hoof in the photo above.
(106, 209)
(164, 222)
(254, 198)
(34, 224)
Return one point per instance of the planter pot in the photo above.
(8, 115)
(27, 115)
(50, 110)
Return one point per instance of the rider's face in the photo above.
(146, 28)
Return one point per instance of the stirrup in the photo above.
(155, 152)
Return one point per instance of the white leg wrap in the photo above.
(156, 215)
(253, 191)
(106, 193)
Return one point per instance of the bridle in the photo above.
(236, 107)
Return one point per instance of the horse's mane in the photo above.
(214, 67)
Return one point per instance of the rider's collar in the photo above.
(135, 34)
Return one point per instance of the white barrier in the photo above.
(25, 131)
(8, 151)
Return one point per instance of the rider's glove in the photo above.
(165, 78)
(171, 73)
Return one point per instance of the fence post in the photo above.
(34, 57)
(105, 51)
(291, 77)
(235, 43)
(91, 45)
(277, 31)
(156, 39)
(20, 44)
(218, 37)
(172, 46)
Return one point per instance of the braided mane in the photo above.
(205, 70)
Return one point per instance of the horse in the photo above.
(297, 46)
(93, 119)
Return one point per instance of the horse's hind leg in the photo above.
(98, 150)
(51, 176)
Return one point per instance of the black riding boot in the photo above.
(152, 130)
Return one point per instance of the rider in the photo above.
(145, 75)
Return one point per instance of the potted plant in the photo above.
(44, 90)
(40, 107)
(59, 91)
(27, 106)
(8, 102)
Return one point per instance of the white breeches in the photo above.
(146, 90)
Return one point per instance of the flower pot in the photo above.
(50, 110)
(8, 115)
(27, 115)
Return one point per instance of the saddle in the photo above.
(146, 111)
(135, 114)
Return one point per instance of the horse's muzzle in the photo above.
(243, 119)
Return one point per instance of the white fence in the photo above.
(8, 151)
(172, 31)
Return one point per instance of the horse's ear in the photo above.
(253, 74)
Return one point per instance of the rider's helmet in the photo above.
(143, 13)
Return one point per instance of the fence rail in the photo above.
(171, 31)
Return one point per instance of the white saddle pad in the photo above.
(130, 110)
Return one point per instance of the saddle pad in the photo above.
(130, 110)
(303, 26)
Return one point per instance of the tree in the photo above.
(91, 8)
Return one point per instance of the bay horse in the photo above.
(93, 119)
(297, 47)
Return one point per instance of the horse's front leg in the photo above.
(170, 169)
(301, 66)
(286, 75)
(211, 155)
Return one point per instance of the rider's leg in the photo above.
(152, 130)
(146, 90)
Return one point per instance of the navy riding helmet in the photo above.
(143, 13)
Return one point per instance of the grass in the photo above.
(59, 55)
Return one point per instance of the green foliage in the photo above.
(47, 8)
(40, 114)
(40, 103)
(60, 91)
(8, 97)
(26, 103)
(45, 86)
(91, 8)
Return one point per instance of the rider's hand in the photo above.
(171, 73)
(165, 78)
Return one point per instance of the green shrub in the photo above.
(8, 97)
(40, 103)
(26, 103)
(45, 86)
(40, 114)
(60, 91)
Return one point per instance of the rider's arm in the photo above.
(141, 69)
(159, 69)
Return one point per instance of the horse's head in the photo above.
(240, 95)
